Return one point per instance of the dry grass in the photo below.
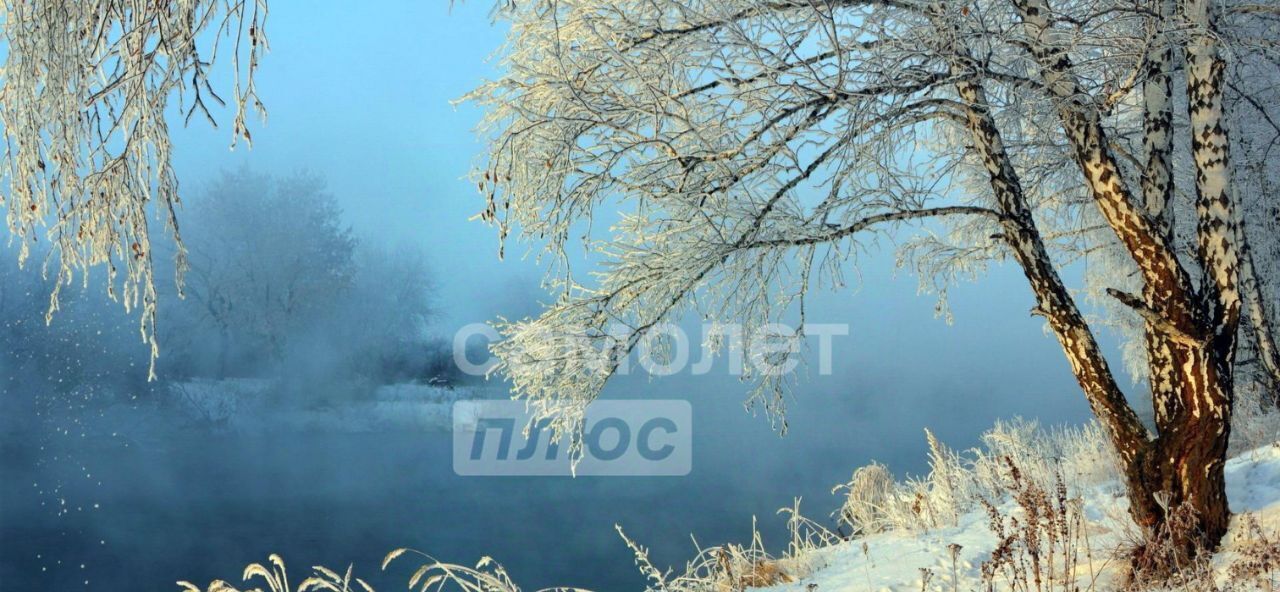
(868, 496)
(487, 576)
(734, 568)
(1248, 562)
(961, 482)
(276, 578)
(1257, 557)
(1043, 546)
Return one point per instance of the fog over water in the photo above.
(109, 474)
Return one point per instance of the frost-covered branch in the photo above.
(86, 141)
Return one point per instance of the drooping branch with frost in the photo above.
(752, 150)
(83, 99)
(726, 157)
(752, 145)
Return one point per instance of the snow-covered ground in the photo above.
(895, 561)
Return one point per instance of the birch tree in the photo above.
(1252, 110)
(83, 99)
(753, 150)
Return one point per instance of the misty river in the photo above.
(198, 504)
(125, 499)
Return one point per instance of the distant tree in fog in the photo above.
(278, 284)
(269, 257)
(278, 287)
(394, 288)
(754, 149)
(384, 318)
(82, 106)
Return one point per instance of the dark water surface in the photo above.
(198, 505)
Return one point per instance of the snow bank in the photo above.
(906, 561)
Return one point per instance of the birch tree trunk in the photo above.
(1190, 332)
(1053, 301)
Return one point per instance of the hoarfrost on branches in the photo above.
(84, 90)
(755, 149)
